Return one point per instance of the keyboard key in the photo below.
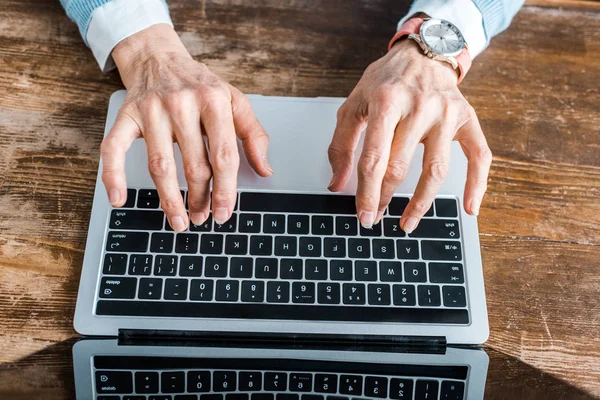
(365, 271)
(224, 381)
(236, 244)
(148, 198)
(172, 382)
(198, 381)
(391, 227)
(441, 250)
(201, 290)
(146, 382)
(429, 295)
(136, 219)
(262, 396)
(265, 268)
(359, 248)
(249, 223)
(298, 203)
(328, 293)
(303, 292)
(379, 295)
(390, 271)
(397, 205)
(148, 194)
(297, 224)
(287, 396)
(351, 384)
(274, 223)
(278, 292)
(300, 382)
(161, 243)
(401, 389)
(150, 289)
(310, 246)
(140, 264)
(227, 291)
(286, 246)
(291, 268)
(130, 202)
(437, 229)
(322, 225)
(404, 295)
(454, 296)
(133, 242)
(407, 249)
(190, 266)
(115, 264)
(415, 272)
(383, 249)
(340, 270)
(215, 267)
(353, 293)
(250, 381)
(446, 273)
(206, 226)
(229, 226)
(426, 389)
(211, 244)
(118, 288)
(176, 289)
(376, 386)
(275, 381)
(240, 267)
(326, 383)
(346, 226)
(315, 270)
(253, 292)
(186, 243)
(115, 382)
(452, 390)
(261, 245)
(335, 247)
(446, 208)
(165, 266)
(374, 231)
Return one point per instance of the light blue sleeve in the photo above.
(497, 14)
(80, 12)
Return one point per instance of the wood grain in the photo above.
(535, 89)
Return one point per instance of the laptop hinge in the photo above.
(418, 344)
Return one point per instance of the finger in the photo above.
(473, 142)
(112, 150)
(350, 124)
(383, 119)
(255, 140)
(162, 167)
(196, 165)
(407, 136)
(436, 162)
(218, 121)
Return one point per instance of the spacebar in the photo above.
(281, 312)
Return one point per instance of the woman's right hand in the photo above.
(171, 97)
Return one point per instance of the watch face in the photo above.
(442, 37)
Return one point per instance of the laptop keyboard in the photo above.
(289, 256)
(156, 378)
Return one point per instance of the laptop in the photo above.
(293, 262)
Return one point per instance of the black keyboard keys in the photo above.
(215, 267)
(291, 268)
(390, 271)
(136, 219)
(446, 208)
(130, 202)
(186, 243)
(227, 291)
(322, 225)
(249, 223)
(401, 389)
(253, 291)
(140, 264)
(340, 270)
(353, 293)
(150, 289)
(351, 384)
(426, 389)
(261, 245)
(148, 198)
(176, 289)
(310, 246)
(297, 224)
(161, 243)
(328, 293)
(391, 227)
(441, 250)
(266, 268)
(446, 273)
(326, 383)
(315, 269)
(115, 264)
(278, 292)
(286, 246)
(404, 295)
(190, 266)
(118, 288)
(201, 290)
(429, 296)
(346, 226)
(228, 226)
(359, 248)
(240, 267)
(115, 382)
(365, 270)
(146, 382)
(376, 386)
(211, 244)
(437, 229)
(303, 292)
(275, 381)
(198, 381)
(250, 381)
(165, 266)
(274, 223)
(452, 390)
(335, 247)
(206, 226)
(135, 242)
(224, 381)
(407, 249)
(375, 230)
(301, 382)
(172, 382)
(397, 205)
(236, 244)
(379, 295)
(383, 249)
(454, 296)
(415, 272)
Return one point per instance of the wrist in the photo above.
(408, 49)
(158, 41)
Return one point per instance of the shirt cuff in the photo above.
(119, 19)
(462, 13)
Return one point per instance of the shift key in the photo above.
(127, 241)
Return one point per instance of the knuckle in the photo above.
(397, 171)
(225, 158)
(371, 163)
(179, 99)
(436, 170)
(109, 145)
(169, 203)
(484, 154)
(367, 199)
(197, 171)
(420, 206)
(160, 165)
(214, 94)
(152, 103)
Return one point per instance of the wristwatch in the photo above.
(440, 40)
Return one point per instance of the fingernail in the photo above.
(268, 167)
(198, 218)
(410, 224)
(177, 223)
(114, 197)
(221, 215)
(366, 219)
(475, 207)
(332, 182)
(379, 217)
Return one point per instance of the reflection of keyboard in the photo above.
(271, 379)
(282, 249)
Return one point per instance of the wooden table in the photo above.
(537, 93)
